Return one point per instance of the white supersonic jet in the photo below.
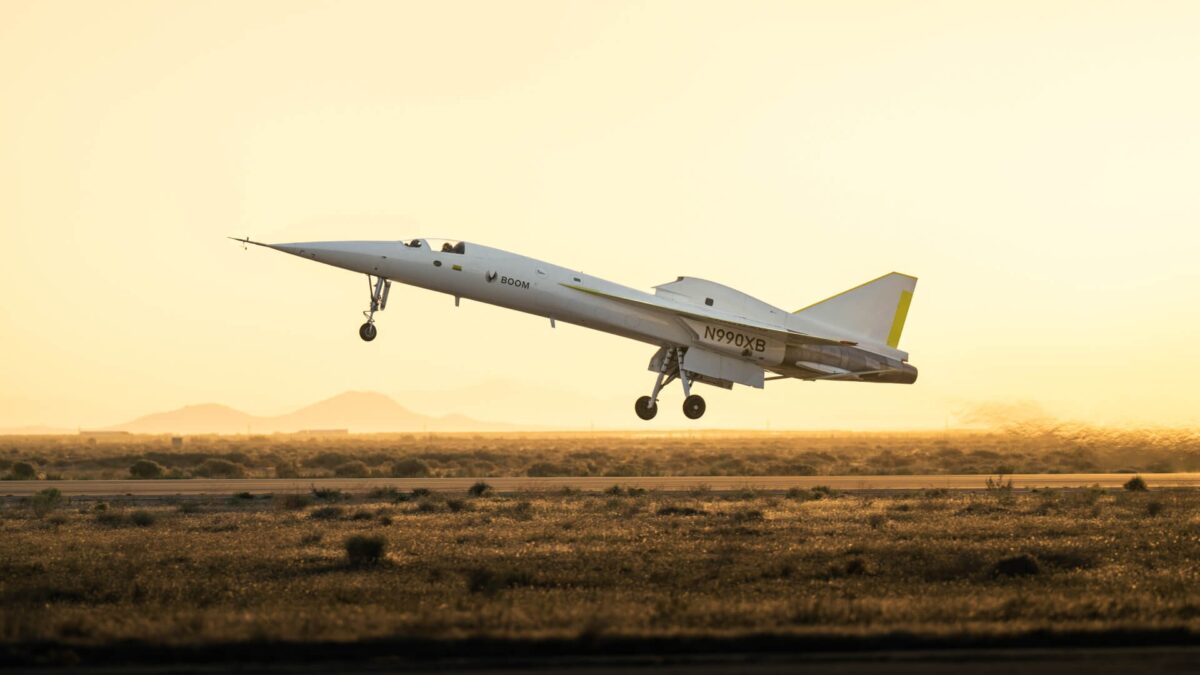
(704, 332)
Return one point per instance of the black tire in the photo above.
(694, 407)
(646, 408)
(367, 332)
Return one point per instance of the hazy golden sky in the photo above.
(1036, 164)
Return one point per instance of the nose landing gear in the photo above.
(671, 368)
(379, 288)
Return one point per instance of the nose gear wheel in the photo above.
(379, 288)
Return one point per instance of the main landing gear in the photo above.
(670, 369)
(379, 288)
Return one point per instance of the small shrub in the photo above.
(328, 494)
(327, 513)
(45, 501)
(854, 567)
(58, 519)
(877, 521)
(824, 490)
(243, 497)
(635, 491)
(219, 468)
(145, 469)
(522, 510)
(489, 582)
(615, 490)
(456, 505)
(679, 511)
(1136, 484)
(287, 470)
(388, 493)
(362, 515)
(293, 501)
(23, 471)
(479, 489)
(417, 493)
(999, 484)
(142, 518)
(545, 470)
(801, 494)
(1023, 565)
(1155, 508)
(188, 507)
(354, 469)
(428, 506)
(747, 516)
(410, 467)
(365, 551)
(110, 519)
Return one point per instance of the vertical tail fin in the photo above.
(873, 312)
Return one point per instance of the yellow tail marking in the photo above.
(898, 321)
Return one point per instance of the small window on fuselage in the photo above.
(708, 301)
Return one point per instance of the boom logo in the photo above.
(515, 282)
(734, 338)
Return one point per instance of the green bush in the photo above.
(219, 468)
(328, 494)
(364, 550)
(352, 470)
(410, 467)
(292, 501)
(45, 501)
(1136, 484)
(287, 470)
(1023, 565)
(146, 469)
(143, 518)
(23, 471)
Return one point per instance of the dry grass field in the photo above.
(78, 578)
(1018, 450)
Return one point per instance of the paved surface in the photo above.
(205, 486)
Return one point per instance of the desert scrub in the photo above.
(807, 567)
(1136, 484)
(45, 501)
(146, 469)
(364, 550)
(219, 468)
(292, 501)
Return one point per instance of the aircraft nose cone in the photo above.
(349, 255)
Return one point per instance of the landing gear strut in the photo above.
(670, 369)
(379, 287)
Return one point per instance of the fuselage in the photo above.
(521, 283)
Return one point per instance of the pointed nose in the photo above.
(351, 255)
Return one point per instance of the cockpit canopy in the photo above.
(443, 245)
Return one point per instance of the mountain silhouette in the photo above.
(358, 411)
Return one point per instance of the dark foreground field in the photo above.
(545, 575)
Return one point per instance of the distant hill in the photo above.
(358, 411)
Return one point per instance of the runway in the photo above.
(221, 486)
